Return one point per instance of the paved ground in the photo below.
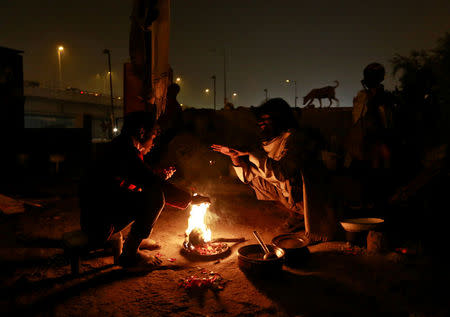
(336, 277)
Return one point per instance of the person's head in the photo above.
(141, 127)
(173, 90)
(274, 117)
(373, 75)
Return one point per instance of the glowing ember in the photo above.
(197, 232)
(209, 248)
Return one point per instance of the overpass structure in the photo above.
(69, 108)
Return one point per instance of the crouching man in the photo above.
(285, 168)
(120, 188)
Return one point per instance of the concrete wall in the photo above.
(189, 151)
(333, 123)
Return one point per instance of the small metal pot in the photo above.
(250, 259)
(295, 247)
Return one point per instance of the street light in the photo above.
(207, 91)
(178, 79)
(108, 52)
(295, 91)
(213, 77)
(234, 96)
(224, 53)
(60, 50)
(224, 77)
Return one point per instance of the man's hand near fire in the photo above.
(168, 172)
(198, 199)
(232, 153)
(165, 173)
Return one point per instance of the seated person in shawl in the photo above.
(120, 188)
(287, 158)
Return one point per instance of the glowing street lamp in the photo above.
(234, 98)
(60, 50)
(178, 79)
(295, 91)
(207, 90)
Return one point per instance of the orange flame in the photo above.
(197, 221)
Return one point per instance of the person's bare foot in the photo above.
(149, 244)
(140, 260)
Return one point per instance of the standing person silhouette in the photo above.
(370, 145)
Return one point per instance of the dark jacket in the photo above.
(120, 168)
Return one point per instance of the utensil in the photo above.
(361, 224)
(295, 245)
(356, 229)
(267, 253)
(250, 260)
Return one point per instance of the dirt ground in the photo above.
(337, 277)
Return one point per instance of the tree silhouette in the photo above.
(424, 94)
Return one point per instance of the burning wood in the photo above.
(198, 236)
(195, 238)
(197, 232)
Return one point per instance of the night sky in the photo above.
(266, 42)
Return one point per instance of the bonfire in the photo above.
(198, 237)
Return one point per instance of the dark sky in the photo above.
(266, 41)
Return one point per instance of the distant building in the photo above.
(11, 89)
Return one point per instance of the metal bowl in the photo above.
(295, 247)
(361, 224)
(250, 259)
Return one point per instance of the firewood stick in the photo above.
(31, 203)
(230, 240)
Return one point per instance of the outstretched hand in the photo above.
(165, 173)
(227, 151)
(168, 172)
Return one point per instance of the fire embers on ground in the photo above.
(208, 249)
(203, 280)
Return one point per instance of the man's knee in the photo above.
(155, 198)
(263, 189)
(153, 204)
